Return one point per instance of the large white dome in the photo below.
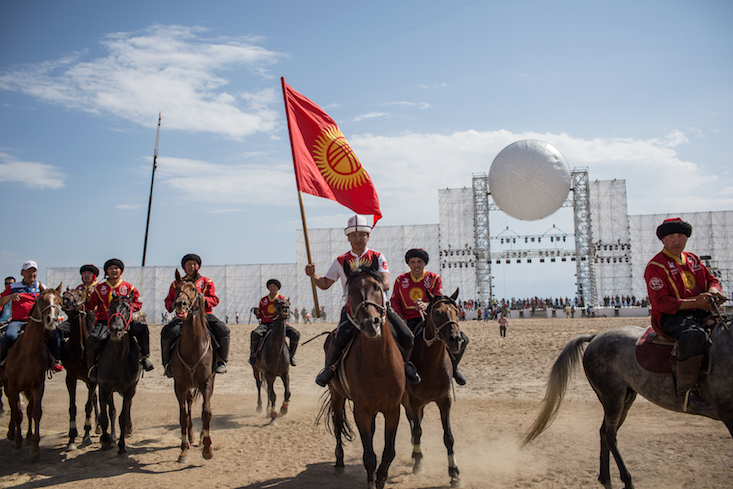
(529, 179)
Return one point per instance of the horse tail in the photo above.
(557, 385)
(326, 412)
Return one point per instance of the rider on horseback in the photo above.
(89, 274)
(266, 314)
(100, 299)
(170, 333)
(681, 290)
(22, 295)
(357, 231)
(409, 299)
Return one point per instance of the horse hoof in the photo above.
(456, 482)
(183, 459)
(86, 441)
(98, 430)
(208, 454)
(259, 409)
(416, 469)
(70, 447)
(283, 411)
(339, 470)
(273, 422)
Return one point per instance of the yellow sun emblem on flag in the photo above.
(336, 161)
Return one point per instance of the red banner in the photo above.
(325, 165)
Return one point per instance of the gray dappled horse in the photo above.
(616, 377)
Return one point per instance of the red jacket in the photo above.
(102, 297)
(407, 291)
(668, 280)
(204, 285)
(267, 308)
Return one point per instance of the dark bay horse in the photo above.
(273, 361)
(75, 360)
(26, 366)
(616, 377)
(192, 365)
(119, 371)
(439, 335)
(371, 374)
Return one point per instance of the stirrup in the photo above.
(411, 373)
(293, 363)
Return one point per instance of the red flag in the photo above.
(325, 165)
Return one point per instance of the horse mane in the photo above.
(364, 270)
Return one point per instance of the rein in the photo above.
(194, 303)
(126, 321)
(50, 306)
(436, 334)
(363, 305)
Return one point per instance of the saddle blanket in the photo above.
(653, 357)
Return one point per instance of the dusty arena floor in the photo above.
(505, 384)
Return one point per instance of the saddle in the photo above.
(658, 354)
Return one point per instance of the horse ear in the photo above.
(430, 295)
(58, 289)
(178, 276)
(67, 288)
(455, 294)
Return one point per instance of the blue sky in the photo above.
(426, 92)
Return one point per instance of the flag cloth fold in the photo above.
(325, 165)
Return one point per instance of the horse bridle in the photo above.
(436, 335)
(50, 306)
(117, 313)
(190, 308)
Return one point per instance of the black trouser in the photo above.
(260, 331)
(99, 335)
(686, 327)
(221, 332)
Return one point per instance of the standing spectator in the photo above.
(296, 315)
(503, 322)
(303, 313)
(236, 316)
(307, 318)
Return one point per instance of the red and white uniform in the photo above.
(101, 298)
(348, 262)
(21, 309)
(83, 288)
(407, 291)
(669, 279)
(204, 285)
(267, 308)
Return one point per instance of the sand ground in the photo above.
(505, 384)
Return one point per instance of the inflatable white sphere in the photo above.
(529, 179)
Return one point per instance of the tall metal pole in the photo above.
(152, 181)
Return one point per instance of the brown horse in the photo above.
(75, 360)
(273, 361)
(191, 365)
(26, 366)
(371, 374)
(439, 335)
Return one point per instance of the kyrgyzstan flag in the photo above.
(325, 165)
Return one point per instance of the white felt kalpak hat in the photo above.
(357, 223)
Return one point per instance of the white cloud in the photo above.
(172, 69)
(371, 115)
(30, 173)
(421, 105)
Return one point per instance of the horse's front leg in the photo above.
(91, 404)
(16, 418)
(337, 406)
(271, 398)
(71, 387)
(365, 422)
(183, 417)
(258, 381)
(105, 399)
(444, 405)
(207, 391)
(286, 401)
(125, 419)
(37, 395)
(391, 422)
(29, 415)
(415, 416)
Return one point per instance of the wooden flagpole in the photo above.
(300, 202)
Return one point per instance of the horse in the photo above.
(192, 365)
(439, 335)
(74, 359)
(616, 377)
(118, 371)
(371, 375)
(26, 366)
(273, 361)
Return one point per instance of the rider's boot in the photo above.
(455, 360)
(332, 357)
(688, 375)
(410, 371)
(53, 341)
(254, 343)
(166, 348)
(292, 349)
(223, 355)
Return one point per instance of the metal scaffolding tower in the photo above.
(481, 230)
(584, 249)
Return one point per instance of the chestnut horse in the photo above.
(26, 366)
(192, 365)
(75, 360)
(273, 361)
(438, 335)
(119, 371)
(371, 374)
